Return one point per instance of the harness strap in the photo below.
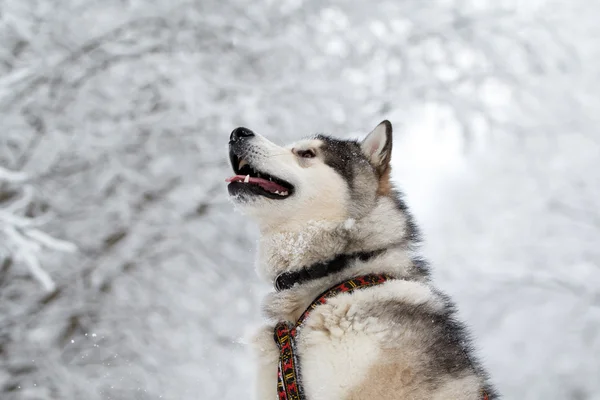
(287, 280)
(288, 380)
(289, 384)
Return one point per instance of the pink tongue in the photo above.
(263, 183)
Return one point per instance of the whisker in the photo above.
(277, 155)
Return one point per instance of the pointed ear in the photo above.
(377, 146)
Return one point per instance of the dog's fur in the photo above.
(395, 341)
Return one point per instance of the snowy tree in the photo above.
(22, 239)
(115, 117)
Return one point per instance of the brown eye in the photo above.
(306, 153)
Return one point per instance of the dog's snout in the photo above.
(239, 133)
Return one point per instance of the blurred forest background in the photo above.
(124, 273)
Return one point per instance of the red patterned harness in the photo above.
(288, 383)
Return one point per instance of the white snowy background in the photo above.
(125, 274)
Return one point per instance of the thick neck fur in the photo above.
(384, 227)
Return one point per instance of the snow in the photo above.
(11, 176)
(117, 236)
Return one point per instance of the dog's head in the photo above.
(316, 179)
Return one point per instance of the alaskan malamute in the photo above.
(354, 314)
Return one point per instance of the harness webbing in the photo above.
(288, 381)
(289, 385)
(287, 280)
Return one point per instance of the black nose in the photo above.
(239, 133)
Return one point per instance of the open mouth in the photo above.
(249, 180)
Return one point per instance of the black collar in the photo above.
(320, 270)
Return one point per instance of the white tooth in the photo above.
(242, 163)
(271, 179)
(284, 193)
(277, 192)
(247, 179)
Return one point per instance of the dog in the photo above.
(354, 315)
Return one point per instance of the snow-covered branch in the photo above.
(22, 240)
(7, 175)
